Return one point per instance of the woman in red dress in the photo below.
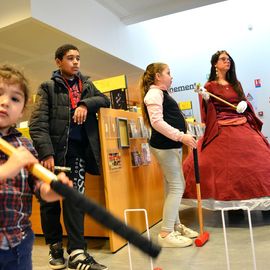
(234, 156)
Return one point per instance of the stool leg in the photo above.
(147, 231)
(225, 239)
(251, 239)
(250, 232)
(129, 252)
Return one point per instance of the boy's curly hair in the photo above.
(12, 75)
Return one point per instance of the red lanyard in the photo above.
(71, 97)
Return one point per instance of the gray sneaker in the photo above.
(185, 231)
(56, 257)
(174, 240)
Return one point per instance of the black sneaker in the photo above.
(81, 260)
(56, 256)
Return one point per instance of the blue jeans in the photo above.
(19, 257)
(170, 161)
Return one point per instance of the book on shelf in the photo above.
(114, 159)
(146, 154)
(106, 121)
(133, 130)
(136, 159)
(113, 127)
(123, 136)
(118, 99)
(143, 128)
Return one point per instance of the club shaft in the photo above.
(97, 212)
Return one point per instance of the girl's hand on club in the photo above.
(189, 140)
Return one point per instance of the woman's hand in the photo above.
(204, 94)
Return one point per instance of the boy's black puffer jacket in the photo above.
(50, 119)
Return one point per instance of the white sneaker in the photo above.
(174, 239)
(185, 231)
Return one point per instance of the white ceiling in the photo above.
(134, 11)
(31, 44)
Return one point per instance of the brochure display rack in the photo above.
(135, 181)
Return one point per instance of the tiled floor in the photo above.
(209, 257)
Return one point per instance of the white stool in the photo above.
(250, 231)
(147, 230)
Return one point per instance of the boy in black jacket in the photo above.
(64, 130)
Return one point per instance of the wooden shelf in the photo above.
(129, 187)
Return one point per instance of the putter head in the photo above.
(202, 239)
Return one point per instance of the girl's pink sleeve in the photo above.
(154, 103)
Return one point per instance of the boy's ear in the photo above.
(58, 62)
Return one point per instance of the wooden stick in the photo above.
(222, 100)
(37, 169)
(216, 97)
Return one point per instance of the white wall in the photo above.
(88, 21)
(187, 40)
(184, 40)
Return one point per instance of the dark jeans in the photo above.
(73, 216)
(19, 257)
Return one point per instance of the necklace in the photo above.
(224, 84)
